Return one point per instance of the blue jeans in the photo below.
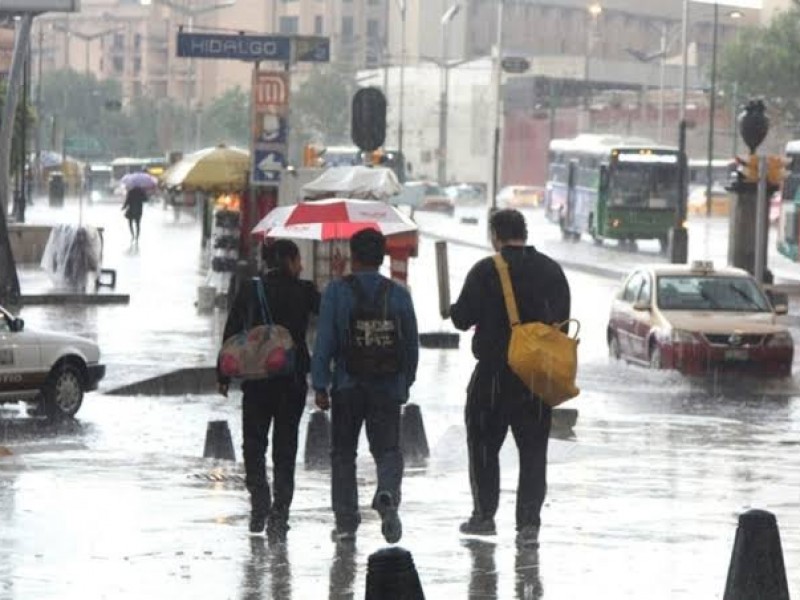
(350, 408)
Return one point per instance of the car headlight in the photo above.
(780, 340)
(679, 336)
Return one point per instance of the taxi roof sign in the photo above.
(704, 266)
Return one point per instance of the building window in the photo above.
(373, 29)
(119, 64)
(119, 41)
(137, 65)
(318, 27)
(347, 28)
(137, 42)
(288, 25)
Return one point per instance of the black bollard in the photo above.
(757, 569)
(413, 441)
(318, 441)
(441, 340)
(218, 441)
(392, 575)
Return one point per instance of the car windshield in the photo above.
(708, 292)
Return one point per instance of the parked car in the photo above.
(519, 196)
(434, 198)
(466, 194)
(720, 201)
(698, 320)
(52, 370)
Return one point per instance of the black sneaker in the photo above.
(477, 526)
(391, 527)
(528, 536)
(276, 530)
(258, 521)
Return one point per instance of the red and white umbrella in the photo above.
(333, 219)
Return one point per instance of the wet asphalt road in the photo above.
(642, 501)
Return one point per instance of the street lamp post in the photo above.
(401, 5)
(87, 38)
(497, 75)
(679, 239)
(712, 109)
(191, 12)
(447, 17)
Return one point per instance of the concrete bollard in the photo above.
(413, 441)
(318, 441)
(392, 575)
(218, 441)
(757, 569)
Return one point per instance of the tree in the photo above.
(227, 119)
(321, 107)
(764, 62)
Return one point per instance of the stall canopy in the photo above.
(368, 183)
(218, 169)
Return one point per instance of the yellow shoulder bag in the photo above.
(541, 355)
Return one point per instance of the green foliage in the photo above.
(16, 140)
(227, 120)
(766, 62)
(321, 107)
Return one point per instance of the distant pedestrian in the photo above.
(134, 201)
(367, 328)
(277, 400)
(496, 398)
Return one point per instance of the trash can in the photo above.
(55, 188)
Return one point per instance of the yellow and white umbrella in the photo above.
(217, 169)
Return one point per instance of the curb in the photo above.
(192, 380)
(73, 298)
(565, 264)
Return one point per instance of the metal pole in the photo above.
(498, 82)
(761, 221)
(679, 242)
(188, 92)
(711, 112)
(443, 72)
(86, 42)
(402, 80)
(734, 103)
(661, 78)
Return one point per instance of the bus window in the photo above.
(643, 185)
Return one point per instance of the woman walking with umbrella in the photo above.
(137, 184)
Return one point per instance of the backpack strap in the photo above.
(508, 290)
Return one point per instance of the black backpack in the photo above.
(373, 345)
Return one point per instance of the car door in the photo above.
(623, 315)
(20, 359)
(642, 320)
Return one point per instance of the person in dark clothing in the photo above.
(134, 201)
(278, 400)
(361, 396)
(496, 398)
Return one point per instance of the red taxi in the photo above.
(699, 320)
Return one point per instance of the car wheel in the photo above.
(63, 392)
(613, 348)
(655, 356)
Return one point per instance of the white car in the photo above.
(51, 369)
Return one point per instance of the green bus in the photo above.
(611, 187)
(789, 220)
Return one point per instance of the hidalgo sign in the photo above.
(253, 47)
(39, 6)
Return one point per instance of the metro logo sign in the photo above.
(270, 90)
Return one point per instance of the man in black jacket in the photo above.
(496, 398)
(278, 400)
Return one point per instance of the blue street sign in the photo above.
(253, 47)
(236, 47)
(268, 164)
(312, 49)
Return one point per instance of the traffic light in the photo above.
(776, 169)
(747, 169)
(368, 123)
(312, 155)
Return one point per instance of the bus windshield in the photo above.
(643, 185)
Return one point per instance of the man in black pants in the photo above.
(496, 398)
